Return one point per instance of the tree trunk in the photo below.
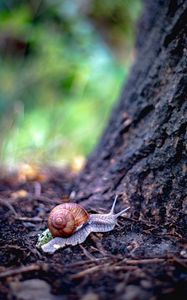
(142, 153)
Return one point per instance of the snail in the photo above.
(70, 224)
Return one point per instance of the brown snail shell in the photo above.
(65, 219)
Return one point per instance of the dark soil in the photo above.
(135, 261)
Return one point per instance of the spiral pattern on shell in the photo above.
(65, 219)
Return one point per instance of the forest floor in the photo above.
(135, 261)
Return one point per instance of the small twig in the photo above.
(80, 263)
(37, 189)
(103, 267)
(20, 270)
(144, 261)
(8, 205)
(86, 262)
(182, 262)
(34, 219)
(40, 198)
(99, 245)
(87, 253)
(13, 247)
(119, 268)
(176, 235)
(87, 271)
(45, 199)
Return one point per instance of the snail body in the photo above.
(78, 227)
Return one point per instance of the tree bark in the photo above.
(142, 153)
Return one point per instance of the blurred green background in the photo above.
(62, 64)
